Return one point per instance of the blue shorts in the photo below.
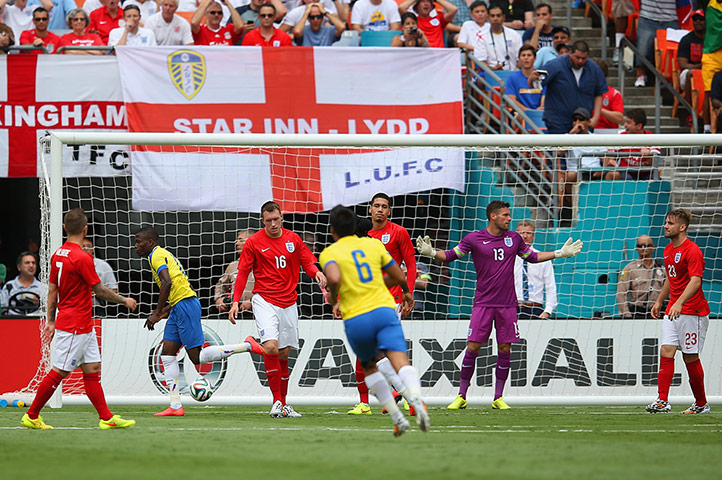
(379, 329)
(184, 324)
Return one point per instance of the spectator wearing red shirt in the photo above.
(634, 122)
(78, 21)
(212, 33)
(430, 21)
(105, 19)
(40, 35)
(612, 113)
(267, 35)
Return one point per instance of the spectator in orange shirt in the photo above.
(78, 21)
(211, 32)
(105, 19)
(40, 35)
(267, 35)
(430, 21)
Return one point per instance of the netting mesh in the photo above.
(586, 348)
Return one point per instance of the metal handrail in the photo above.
(659, 81)
(603, 20)
(505, 101)
(105, 49)
(27, 48)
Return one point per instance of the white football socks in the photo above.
(379, 386)
(216, 352)
(172, 372)
(387, 370)
(410, 377)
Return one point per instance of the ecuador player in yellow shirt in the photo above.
(354, 269)
(183, 327)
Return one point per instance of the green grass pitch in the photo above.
(244, 442)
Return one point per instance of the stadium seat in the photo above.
(536, 119)
(378, 39)
(665, 55)
(349, 38)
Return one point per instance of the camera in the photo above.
(414, 32)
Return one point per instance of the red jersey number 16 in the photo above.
(280, 261)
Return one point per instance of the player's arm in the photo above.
(104, 293)
(308, 262)
(663, 294)
(49, 327)
(408, 254)
(569, 249)
(395, 276)
(691, 288)
(423, 246)
(165, 285)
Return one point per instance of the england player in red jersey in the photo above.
(398, 243)
(72, 278)
(687, 317)
(275, 256)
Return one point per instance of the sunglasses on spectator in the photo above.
(40, 19)
(266, 15)
(645, 245)
(79, 19)
(315, 17)
(215, 13)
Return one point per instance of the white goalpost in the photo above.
(201, 190)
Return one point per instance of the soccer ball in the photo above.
(201, 390)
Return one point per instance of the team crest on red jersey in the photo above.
(385, 238)
(508, 241)
(677, 257)
(290, 247)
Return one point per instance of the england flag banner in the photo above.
(44, 92)
(289, 90)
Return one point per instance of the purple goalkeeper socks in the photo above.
(503, 361)
(467, 371)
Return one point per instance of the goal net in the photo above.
(201, 191)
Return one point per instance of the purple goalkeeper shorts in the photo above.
(502, 318)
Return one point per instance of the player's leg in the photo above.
(65, 360)
(287, 339)
(390, 340)
(362, 408)
(361, 333)
(507, 332)
(94, 390)
(479, 330)
(670, 343)
(64, 363)
(168, 356)
(695, 331)
(267, 324)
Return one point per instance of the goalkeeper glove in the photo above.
(423, 245)
(569, 249)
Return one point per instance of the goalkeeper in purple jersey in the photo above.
(493, 251)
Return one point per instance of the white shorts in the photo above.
(683, 76)
(73, 350)
(687, 332)
(276, 323)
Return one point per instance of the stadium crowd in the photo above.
(506, 35)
